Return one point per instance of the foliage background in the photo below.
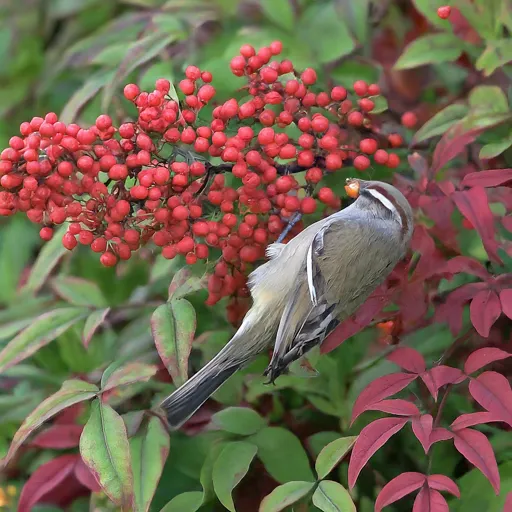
(73, 57)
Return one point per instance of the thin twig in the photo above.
(296, 217)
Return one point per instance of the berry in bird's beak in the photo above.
(352, 188)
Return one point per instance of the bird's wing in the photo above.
(333, 287)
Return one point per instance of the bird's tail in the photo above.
(187, 399)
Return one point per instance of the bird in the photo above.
(307, 287)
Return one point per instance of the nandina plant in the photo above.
(213, 184)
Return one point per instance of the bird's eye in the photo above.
(352, 188)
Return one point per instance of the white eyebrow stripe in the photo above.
(309, 268)
(385, 202)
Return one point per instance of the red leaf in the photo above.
(474, 205)
(59, 437)
(363, 316)
(467, 265)
(472, 419)
(443, 483)
(395, 406)
(508, 503)
(380, 388)
(506, 302)
(485, 309)
(408, 359)
(492, 391)
(70, 414)
(477, 449)
(400, 486)
(422, 428)
(490, 178)
(439, 376)
(452, 144)
(440, 434)
(482, 357)
(429, 500)
(451, 311)
(44, 479)
(371, 438)
(84, 475)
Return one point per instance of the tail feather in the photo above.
(187, 399)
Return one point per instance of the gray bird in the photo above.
(308, 286)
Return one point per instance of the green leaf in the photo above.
(44, 329)
(493, 149)
(381, 104)
(81, 97)
(140, 52)
(285, 495)
(321, 19)
(186, 502)
(282, 455)
(496, 55)
(78, 291)
(132, 372)
(17, 241)
(281, 13)
(173, 326)
(440, 123)
(239, 420)
(94, 320)
(105, 449)
(355, 14)
(332, 454)
(48, 258)
(430, 49)
(184, 282)
(71, 392)
(489, 99)
(230, 467)
(149, 451)
(333, 497)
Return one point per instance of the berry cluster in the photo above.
(191, 186)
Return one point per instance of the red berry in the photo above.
(320, 123)
(395, 140)
(247, 51)
(444, 12)
(180, 213)
(308, 205)
(361, 162)
(381, 157)
(308, 76)
(69, 241)
(314, 175)
(393, 161)
(46, 233)
(131, 91)
(326, 195)
(409, 119)
(192, 72)
(366, 104)
(361, 88)
(373, 90)
(355, 118)
(108, 259)
(338, 93)
(368, 146)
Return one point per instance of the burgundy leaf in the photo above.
(439, 376)
(440, 434)
(422, 428)
(400, 486)
(506, 302)
(443, 483)
(85, 477)
(44, 479)
(482, 357)
(451, 311)
(484, 310)
(364, 315)
(429, 500)
(477, 449)
(507, 222)
(59, 437)
(508, 503)
(408, 359)
(492, 391)
(490, 178)
(467, 265)
(371, 438)
(474, 205)
(452, 144)
(395, 406)
(380, 388)
(472, 419)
